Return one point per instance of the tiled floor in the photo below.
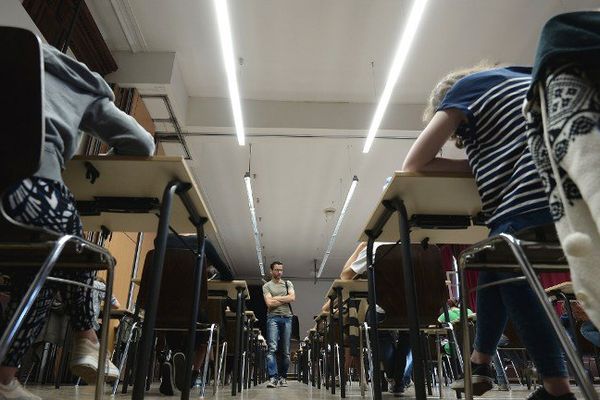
(296, 391)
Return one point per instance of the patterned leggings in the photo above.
(49, 204)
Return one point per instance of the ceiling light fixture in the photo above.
(230, 67)
(406, 39)
(338, 224)
(247, 181)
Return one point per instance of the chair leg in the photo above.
(104, 336)
(464, 305)
(207, 360)
(216, 360)
(123, 358)
(369, 358)
(440, 364)
(580, 373)
(30, 297)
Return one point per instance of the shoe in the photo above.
(542, 394)
(166, 379)
(179, 370)
(272, 382)
(15, 391)
(196, 379)
(482, 379)
(283, 382)
(84, 362)
(390, 386)
(397, 390)
(503, 387)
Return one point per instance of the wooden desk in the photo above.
(136, 194)
(227, 289)
(433, 194)
(131, 178)
(357, 288)
(437, 206)
(238, 290)
(343, 290)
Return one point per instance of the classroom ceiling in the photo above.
(312, 52)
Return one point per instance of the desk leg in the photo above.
(340, 301)
(242, 346)
(145, 346)
(331, 347)
(191, 339)
(374, 336)
(411, 302)
(236, 350)
(572, 322)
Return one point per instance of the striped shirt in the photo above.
(495, 141)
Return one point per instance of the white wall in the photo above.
(12, 13)
(309, 300)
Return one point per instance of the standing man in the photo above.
(278, 295)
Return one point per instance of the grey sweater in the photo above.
(75, 100)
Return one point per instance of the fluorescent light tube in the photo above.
(254, 223)
(230, 67)
(401, 54)
(338, 224)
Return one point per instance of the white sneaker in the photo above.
(84, 362)
(15, 391)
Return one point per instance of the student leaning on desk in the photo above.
(75, 100)
(481, 108)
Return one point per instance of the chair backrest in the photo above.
(176, 288)
(429, 278)
(21, 104)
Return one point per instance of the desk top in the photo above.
(434, 194)
(565, 287)
(228, 287)
(122, 176)
(357, 285)
(322, 315)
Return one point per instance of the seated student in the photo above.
(173, 370)
(191, 242)
(76, 100)
(98, 298)
(587, 329)
(481, 108)
(395, 346)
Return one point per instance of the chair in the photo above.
(22, 246)
(176, 298)
(430, 284)
(528, 252)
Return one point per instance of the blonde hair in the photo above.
(444, 85)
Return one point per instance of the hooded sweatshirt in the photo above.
(75, 100)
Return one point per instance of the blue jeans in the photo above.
(590, 332)
(517, 301)
(395, 354)
(279, 331)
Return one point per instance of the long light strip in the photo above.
(401, 54)
(338, 224)
(254, 223)
(230, 68)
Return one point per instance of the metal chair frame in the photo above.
(517, 248)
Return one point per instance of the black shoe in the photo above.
(481, 377)
(166, 379)
(179, 364)
(195, 375)
(542, 394)
(398, 390)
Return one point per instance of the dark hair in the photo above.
(274, 263)
(453, 302)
